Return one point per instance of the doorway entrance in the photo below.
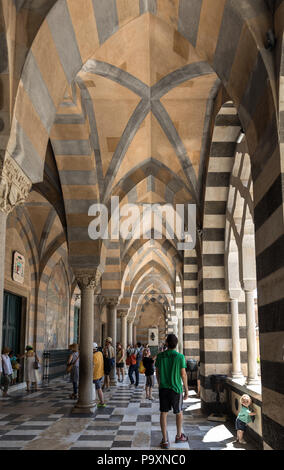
(12, 322)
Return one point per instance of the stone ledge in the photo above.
(240, 386)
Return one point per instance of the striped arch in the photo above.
(215, 342)
(60, 254)
(191, 334)
(147, 282)
(148, 272)
(241, 68)
(150, 176)
(25, 231)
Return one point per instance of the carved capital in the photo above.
(121, 313)
(14, 185)
(88, 279)
(111, 301)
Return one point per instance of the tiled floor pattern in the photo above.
(44, 420)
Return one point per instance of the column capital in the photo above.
(14, 184)
(121, 313)
(249, 285)
(111, 301)
(234, 294)
(88, 279)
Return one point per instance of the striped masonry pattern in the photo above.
(190, 306)
(99, 22)
(269, 224)
(249, 79)
(214, 307)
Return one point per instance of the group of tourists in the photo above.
(169, 365)
(10, 366)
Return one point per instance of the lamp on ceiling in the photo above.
(240, 136)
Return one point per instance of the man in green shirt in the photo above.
(171, 376)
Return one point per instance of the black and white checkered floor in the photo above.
(43, 420)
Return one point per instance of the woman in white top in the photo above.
(7, 370)
(31, 374)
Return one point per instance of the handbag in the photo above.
(141, 368)
(36, 364)
(70, 366)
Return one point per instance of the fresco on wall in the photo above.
(56, 324)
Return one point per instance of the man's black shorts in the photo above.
(170, 399)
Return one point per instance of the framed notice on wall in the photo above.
(153, 336)
(18, 272)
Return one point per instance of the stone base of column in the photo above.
(255, 381)
(237, 375)
(85, 409)
(113, 382)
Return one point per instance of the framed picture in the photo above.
(153, 336)
(18, 273)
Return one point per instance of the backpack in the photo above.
(133, 359)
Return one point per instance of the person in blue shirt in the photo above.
(244, 417)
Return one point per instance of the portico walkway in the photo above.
(43, 421)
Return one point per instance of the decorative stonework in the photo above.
(121, 313)
(14, 185)
(111, 301)
(88, 280)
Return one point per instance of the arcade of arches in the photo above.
(153, 102)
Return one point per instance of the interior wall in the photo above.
(152, 317)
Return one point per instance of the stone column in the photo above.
(87, 283)
(3, 220)
(174, 321)
(97, 323)
(252, 378)
(180, 334)
(129, 332)
(14, 190)
(122, 314)
(236, 354)
(134, 334)
(112, 329)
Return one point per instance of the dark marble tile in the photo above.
(122, 444)
(143, 418)
(96, 438)
(17, 438)
(125, 433)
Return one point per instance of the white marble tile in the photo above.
(13, 443)
(24, 432)
(38, 423)
(92, 444)
(95, 432)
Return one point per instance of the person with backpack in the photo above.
(135, 359)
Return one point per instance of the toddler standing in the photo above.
(244, 417)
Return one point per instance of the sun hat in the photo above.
(109, 339)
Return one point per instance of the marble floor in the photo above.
(43, 420)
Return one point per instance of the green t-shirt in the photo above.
(170, 363)
(244, 415)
